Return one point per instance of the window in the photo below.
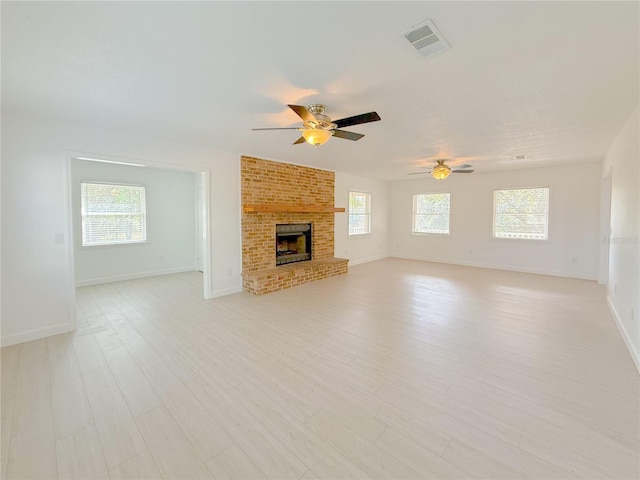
(431, 213)
(359, 213)
(112, 214)
(521, 213)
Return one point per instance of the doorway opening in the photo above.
(176, 213)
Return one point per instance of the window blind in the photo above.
(359, 213)
(521, 213)
(431, 213)
(112, 214)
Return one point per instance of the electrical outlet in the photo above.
(229, 271)
(574, 259)
(161, 258)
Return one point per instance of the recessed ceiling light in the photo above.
(520, 157)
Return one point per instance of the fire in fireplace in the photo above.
(293, 243)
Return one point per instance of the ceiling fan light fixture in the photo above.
(317, 136)
(440, 172)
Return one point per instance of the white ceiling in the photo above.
(553, 80)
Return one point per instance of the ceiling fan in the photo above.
(441, 171)
(318, 128)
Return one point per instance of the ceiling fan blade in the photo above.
(279, 128)
(347, 135)
(303, 113)
(300, 140)
(459, 167)
(462, 171)
(357, 119)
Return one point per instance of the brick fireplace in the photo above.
(271, 192)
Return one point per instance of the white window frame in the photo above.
(415, 215)
(521, 237)
(84, 214)
(366, 214)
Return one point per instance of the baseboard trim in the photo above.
(551, 273)
(635, 356)
(133, 276)
(353, 263)
(37, 334)
(225, 291)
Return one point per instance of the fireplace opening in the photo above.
(293, 243)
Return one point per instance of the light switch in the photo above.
(58, 239)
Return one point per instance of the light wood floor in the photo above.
(400, 369)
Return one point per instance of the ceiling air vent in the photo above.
(426, 38)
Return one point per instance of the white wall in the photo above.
(362, 248)
(37, 290)
(572, 248)
(171, 225)
(623, 290)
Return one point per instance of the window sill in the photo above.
(526, 240)
(425, 234)
(113, 245)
